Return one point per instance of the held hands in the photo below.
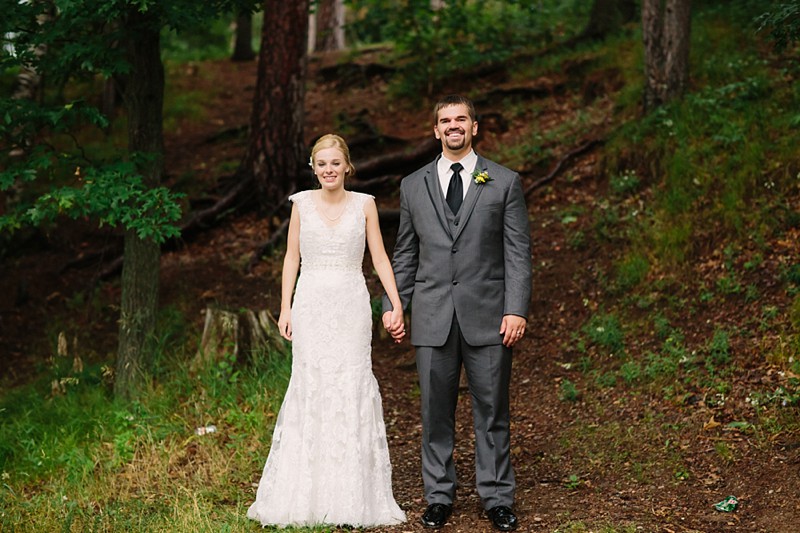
(393, 322)
(512, 329)
(285, 324)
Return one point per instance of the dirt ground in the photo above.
(573, 469)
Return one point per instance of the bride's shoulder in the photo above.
(300, 197)
(360, 197)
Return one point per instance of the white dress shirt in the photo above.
(445, 173)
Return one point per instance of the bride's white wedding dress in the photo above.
(329, 461)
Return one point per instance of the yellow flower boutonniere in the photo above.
(481, 177)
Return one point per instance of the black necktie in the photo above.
(455, 194)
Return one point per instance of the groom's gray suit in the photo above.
(461, 274)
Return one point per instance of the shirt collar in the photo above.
(468, 162)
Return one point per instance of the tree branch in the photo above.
(374, 183)
(394, 161)
(559, 166)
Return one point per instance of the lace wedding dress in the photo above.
(329, 461)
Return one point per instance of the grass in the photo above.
(605, 330)
(78, 461)
(537, 147)
(631, 450)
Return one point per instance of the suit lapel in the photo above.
(434, 193)
(473, 193)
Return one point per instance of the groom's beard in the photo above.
(456, 145)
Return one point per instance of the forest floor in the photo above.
(606, 459)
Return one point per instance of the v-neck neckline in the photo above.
(324, 219)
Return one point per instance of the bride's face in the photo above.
(330, 167)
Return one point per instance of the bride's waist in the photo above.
(331, 264)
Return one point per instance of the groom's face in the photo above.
(455, 128)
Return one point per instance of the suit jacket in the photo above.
(476, 266)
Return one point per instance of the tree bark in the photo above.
(242, 334)
(276, 151)
(666, 30)
(243, 42)
(144, 99)
(329, 26)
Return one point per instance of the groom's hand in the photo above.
(512, 329)
(393, 322)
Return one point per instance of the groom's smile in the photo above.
(455, 128)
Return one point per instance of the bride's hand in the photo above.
(398, 328)
(285, 325)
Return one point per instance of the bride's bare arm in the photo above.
(384, 269)
(291, 265)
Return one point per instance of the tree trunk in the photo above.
(330, 25)
(665, 28)
(109, 104)
(241, 334)
(312, 32)
(144, 98)
(608, 16)
(276, 151)
(243, 43)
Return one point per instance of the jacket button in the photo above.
(454, 250)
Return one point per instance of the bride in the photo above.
(329, 460)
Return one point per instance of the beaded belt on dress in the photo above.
(332, 264)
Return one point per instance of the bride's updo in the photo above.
(331, 140)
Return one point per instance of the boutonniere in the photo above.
(481, 177)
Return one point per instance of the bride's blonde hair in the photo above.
(331, 140)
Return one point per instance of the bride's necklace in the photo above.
(341, 211)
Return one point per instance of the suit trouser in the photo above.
(488, 371)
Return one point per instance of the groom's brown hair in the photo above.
(454, 99)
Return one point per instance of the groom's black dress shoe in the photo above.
(436, 515)
(503, 518)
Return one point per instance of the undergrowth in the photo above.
(73, 459)
(699, 192)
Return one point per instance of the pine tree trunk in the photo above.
(666, 31)
(144, 98)
(330, 25)
(243, 44)
(276, 152)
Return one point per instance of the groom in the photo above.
(463, 262)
